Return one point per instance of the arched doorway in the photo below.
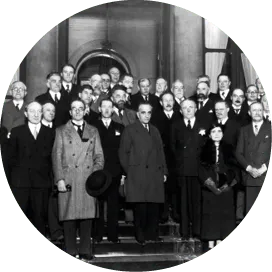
(98, 62)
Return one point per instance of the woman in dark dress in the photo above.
(217, 177)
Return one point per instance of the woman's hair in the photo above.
(213, 126)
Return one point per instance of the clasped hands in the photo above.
(209, 183)
(254, 172)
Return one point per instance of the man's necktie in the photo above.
(79, 129)
(237, 111)
(35, 132)
(189, 124)
(168, 115)
(146, 98)
(17, 107)
(256, 130)
(56, 98)
(120, 114)
(223, 95)
(68, 88)
(106, 124)
(200, 105)
(146, 126)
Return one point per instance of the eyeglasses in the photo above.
(252, 92)
(18, 89)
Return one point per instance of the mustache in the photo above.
(237, 101)
(202, 96)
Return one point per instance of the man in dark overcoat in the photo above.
(77, 153)
(253, 153)
(142, 157)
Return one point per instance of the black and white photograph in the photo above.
(136, 136)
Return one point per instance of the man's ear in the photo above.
(47, 84)
(160, 102)
(70, 112)
(25, 114)
(137, 113)
(99, 109)
(80, 95)
(25, 93)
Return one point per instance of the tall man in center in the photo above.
(142, 157)
(186, 140)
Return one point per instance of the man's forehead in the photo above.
(48, 106)
(87, 90)
(202, 85)
(220, 105)
(238, 92)
(68, 69)
(119, 92)
(114, 70)
(77, 104)
(34, 105)
(105, 76)
(178, 84)
(188, 104)
(18, 85)
(223, 78)
(160, 81)
(256, 106)
(128, 78)
(145, 108)
(252, 87)
(55, 77)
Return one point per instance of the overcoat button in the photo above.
(146, 166)
(88, 167)
(73, 154)
(76, 166)
(70, 142)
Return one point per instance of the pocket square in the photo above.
(85, 140)
(211, 111)
(117, 133)
(266, 136)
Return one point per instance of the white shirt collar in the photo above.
(19, 103)
(192, 120)
(170, 113)
(223, 121)
(53, 94)
(46, 123)
(157, 94)
(64, 84)
(32, 127)
(106, 120)
(178, 100)
(117, 110)
(250, 102)
(259, 124)
(204, 101)
(226, 92)
(79, 123)
(236, 107)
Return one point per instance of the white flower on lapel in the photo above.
(210, 111)
(202, 132)
(266, 136)
(117, 133)
(8, 135)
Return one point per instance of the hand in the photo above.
(224, 188)
(123, 178)
(164, 178)
(61, 186)
(209, 182)
(253, 171)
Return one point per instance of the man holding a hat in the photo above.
(77, 153)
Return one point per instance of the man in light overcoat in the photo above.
(77, 152)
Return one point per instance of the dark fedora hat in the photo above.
(98, 182)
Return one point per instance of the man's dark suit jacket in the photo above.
(163, 124)
(231, 131)
(243, 117)
(95, 105)
(254, 150)
(73, 93)
(186, 145)
(129, 117)
(110, 140)
(206, 115)
(30, 159)
(11, 117)
(137, 98)
(62, 107)
(91, 117)
(217, 97)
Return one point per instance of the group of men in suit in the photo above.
(150, 143)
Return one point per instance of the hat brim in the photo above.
(100, 191)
